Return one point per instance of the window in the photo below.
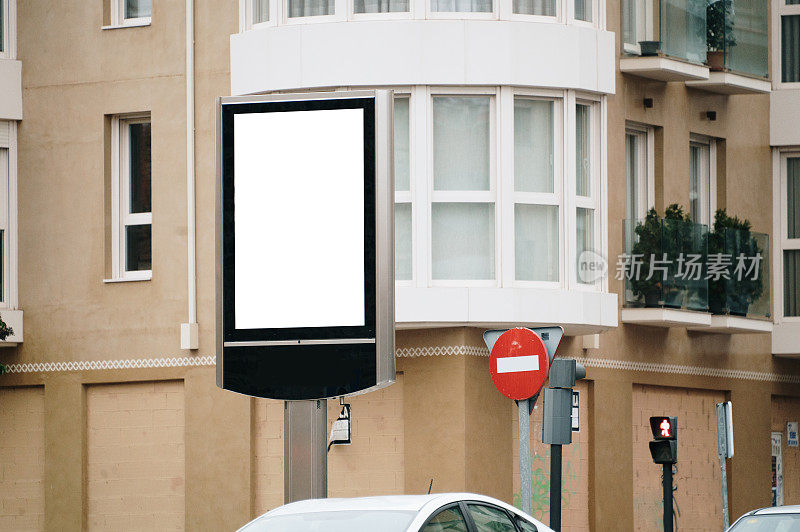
(130, 12)
(638, 171)
(786, 42)
(447, 520)
(536, 191)
(490, 519)
(462, 6)
(402, 186)
(634, 24)
(462, 208)
(790, 233)
(8, 245)
(583, 10)
(132, 238)
(3, 32)
(545, 8)
(702, 180)
(586, 230)
(381, 6)
(4, 174)
(260, 11)
(309, 8)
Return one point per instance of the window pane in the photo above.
(533, 145)
(793, 197)
(137, 248)
(546, 8)
(462, 6)
(790, 49)
(381, 6)
(402, 241)
(463, 241)
(461, 138)
(583, 10)
(536, 242)
(490, 519)
(310, 8)
(139, 146)
(448, 520)
(525, 526)
(2, 26)
(260, 11)
(583, 150)
(629, 8)
(402, 139)
(631, 177)
(137, 8)
(585, 233)
(791, 283)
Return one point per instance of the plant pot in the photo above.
(649, 47)
(716, 60)
(652, 299)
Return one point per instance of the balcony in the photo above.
(665, 39)
(737, 35)
(678, 274)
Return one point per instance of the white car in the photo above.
(774, 519)
(440, 512)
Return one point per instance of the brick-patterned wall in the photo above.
(575, 469)
(21, 459)
(698, 495)
(135, 456)
(785, 409)
(371, 465)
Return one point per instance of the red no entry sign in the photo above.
(519, 363)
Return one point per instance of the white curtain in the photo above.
(583, 10)
(461, 143)
(790, 49)
(137, 8)
(584, 224)
(536, 242)
(462, 6)
(381, 6)
(583, 150)
(533, 145)
(631, 177)
(310, 8)
(545, 8)
(402, 139)
(402, 241)
(462, 241)
(791, 258)
(260, 11)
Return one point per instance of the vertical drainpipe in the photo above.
(189, 331)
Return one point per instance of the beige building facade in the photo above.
(109, 413)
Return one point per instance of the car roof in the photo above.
(794, 509)
(385, 502)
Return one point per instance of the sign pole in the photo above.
(667, 482)
(724, 476)
(305, 464)
(555, 486)
(525, 473)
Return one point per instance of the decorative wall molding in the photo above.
(408, 352)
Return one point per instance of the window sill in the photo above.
(665, 317)
(732, 83)
(146, 277)
(735, 325)
(663, 68)
(138, 24)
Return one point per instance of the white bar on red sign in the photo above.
(514, 364)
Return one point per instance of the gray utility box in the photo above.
(557, 426)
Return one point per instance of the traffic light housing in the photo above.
(664, 447)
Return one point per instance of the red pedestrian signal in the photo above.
(664, 427)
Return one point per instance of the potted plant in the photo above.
(5, 332)
(719, 32)
(647, 48)
(731, 236)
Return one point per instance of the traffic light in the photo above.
(664, 448)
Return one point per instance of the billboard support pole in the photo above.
(305, 464)
(525, 455)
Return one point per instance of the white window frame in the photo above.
(454, 196)
(596, 187)
(9, 43)
(596, 14)
(781, 229)
(644, 28)
(510, 197)
(118, 19)
(246, 15)
(396, 15)
(779, 9)
(494, 14)
(340, 14)
(506, 11)
(8, 216)
(708, 186)
(407, 196)
(120, 197)
(645, 167)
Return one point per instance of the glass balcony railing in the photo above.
(744, 288)
(676, 28)
(664, 264)
(737, 35)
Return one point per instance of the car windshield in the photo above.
(768, 523)
(339, 521)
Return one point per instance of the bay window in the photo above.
(544, 8)
(381, 6)
(462, 199)
(309, 8)
(586, 193)
(462, 6)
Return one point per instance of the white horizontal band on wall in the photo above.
(466, 350)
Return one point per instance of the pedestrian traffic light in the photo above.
(664, 448)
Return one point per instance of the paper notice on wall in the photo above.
(791, 434)
(777, 469)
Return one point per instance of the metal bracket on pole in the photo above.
(305, 457)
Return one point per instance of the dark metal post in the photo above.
(555, 487)
(667, 481)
